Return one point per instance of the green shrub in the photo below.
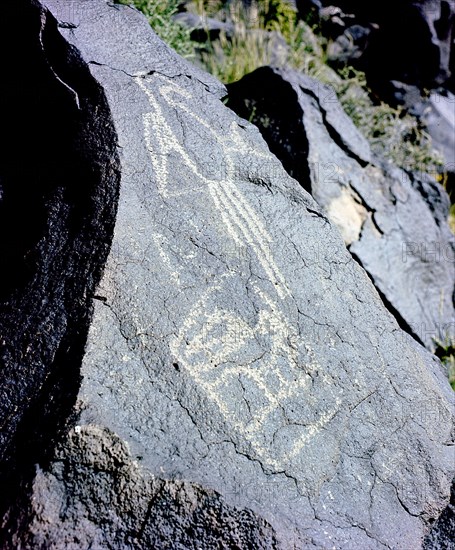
(209, 8)
(226, 59)
(277, 15)
(391, 132)
(231, 58)
(446, 352)
(159, 14)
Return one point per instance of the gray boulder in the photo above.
(203, 28)
(393, 223)
(436, 113)
(440, 120)
(241, 383)
(349, 46)
(114, 504)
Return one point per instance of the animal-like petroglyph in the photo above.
(222, 352)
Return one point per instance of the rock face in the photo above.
(418, 40)
(393, 223)
(94, 496)
(203, 28)
(440, 120)
(57, 212)
(235, 350)
(442, 534)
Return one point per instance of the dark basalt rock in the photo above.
(109, 502)
(60, 177)
(442, 535)
(203, 28)
(233, 344)
(349, 46)
(411, 41)
(436, 113)
(394, 223)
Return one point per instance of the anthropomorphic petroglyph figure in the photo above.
(225, 354)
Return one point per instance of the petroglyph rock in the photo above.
(234, 346)
(394, 223)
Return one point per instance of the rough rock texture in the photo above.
(417, 38)
(393, 223)
(436, 113)
(93, 495)
(203, 28)
(349, 46)
(451, 82)
(440, 121)
(234, 345)
(442, 535)
(58, 197)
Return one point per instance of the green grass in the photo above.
(231, 58)
(210, 8)
(450, 364)
(276, 15)
(159, 14)
(391, 133)
(446, 352)
(226, 59)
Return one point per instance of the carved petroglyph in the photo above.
(173, 271)
(240, 219)
(224, 354)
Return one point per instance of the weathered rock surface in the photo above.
(94, 495)
(442, 535)
(393, 223)
(57, 212)
(203, 28)
(349, 46)
(440, 120)
(234, 345)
